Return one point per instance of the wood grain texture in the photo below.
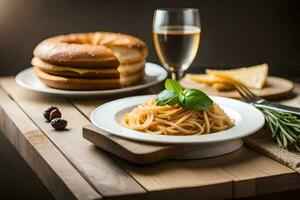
(294, 98)
(58, 175)
(137, 152)
(220, 191)
(251, 171)
(247, 171)
(244, 172)
(97, 168)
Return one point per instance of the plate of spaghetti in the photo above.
(178, 116)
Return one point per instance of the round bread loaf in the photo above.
(99, 49)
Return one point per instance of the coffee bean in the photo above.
(55, 114)
(47, 112)
(58, 123)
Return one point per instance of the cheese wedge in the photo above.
(254, 77)
(223, 87)
(207, 79)
(219, 84)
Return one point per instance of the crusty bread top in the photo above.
(99, 49)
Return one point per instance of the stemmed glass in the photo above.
(176, 36)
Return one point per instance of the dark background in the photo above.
(234, 33)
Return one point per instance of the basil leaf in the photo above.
(173, 85)
(167, 97)
(192, 99)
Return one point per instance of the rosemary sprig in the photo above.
(285, 127)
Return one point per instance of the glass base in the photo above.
(177, 75)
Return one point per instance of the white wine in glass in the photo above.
(176, 36)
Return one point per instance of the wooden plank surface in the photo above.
(238, 174)
(58, 175)
(249, 172)
(246, 169)
(97, 168)
(294, 98)
(135, 151)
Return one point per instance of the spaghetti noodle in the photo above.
(175, 120)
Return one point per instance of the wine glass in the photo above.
(176, 36)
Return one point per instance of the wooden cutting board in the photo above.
(136, 152)
(276, 87)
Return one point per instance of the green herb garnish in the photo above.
(190, 99)
(285, 127)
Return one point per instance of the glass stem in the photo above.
(176, 75)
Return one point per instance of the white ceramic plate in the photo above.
(247, 120)
(153, 74)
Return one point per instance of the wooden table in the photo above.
(72, 168)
